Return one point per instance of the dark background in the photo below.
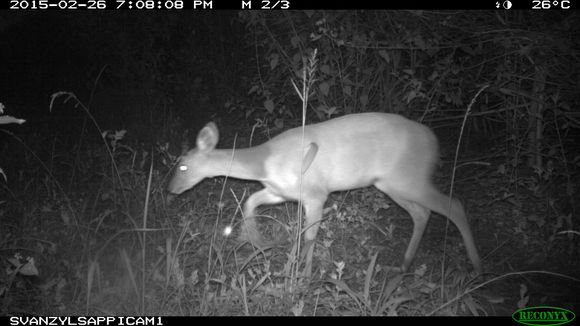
(73, 190)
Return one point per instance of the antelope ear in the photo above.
(311, 151)
(207, 138)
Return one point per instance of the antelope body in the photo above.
(388, 151)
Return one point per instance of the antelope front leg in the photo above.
(249, 231)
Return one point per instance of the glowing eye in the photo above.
(183, 168)
(227, 230)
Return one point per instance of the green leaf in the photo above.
(274, 58)
(295, 41)
(324, 88)
(385, 55)
(269, 106)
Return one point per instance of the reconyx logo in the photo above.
(543, 316)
